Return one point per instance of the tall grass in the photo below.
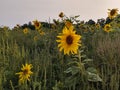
(107, 59)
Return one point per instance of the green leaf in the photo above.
(87, 60)
(73, 70)
(93, 77)
(91, 70)
(77, 16)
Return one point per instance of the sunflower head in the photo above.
(107, 28)
(41, 32)
(69, 41)
(25, 73)
(112, 13)
(18, 25)
(37, 24)
(61, 15)
(25, 31)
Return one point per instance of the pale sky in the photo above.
(14, 12)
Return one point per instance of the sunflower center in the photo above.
(69, 39)
(37, 24)
(107, 27)
(25, 71)
(112, 12)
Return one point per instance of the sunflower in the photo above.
(97, 25)
(41, 32)
(112, 13)
(69, 41)
(37, 24)
(25, 31)
(25, 73)
(35, 38)
(61, 15)
(107, 28)
(68, 24)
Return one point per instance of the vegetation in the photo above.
(68, 54)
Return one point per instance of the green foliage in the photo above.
(95, 67)
(80, 71)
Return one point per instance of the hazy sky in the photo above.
(14, 12)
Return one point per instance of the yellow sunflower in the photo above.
(25, 73)
(37, 24)
(112, 13)
(25, 31)
(69, 41)
(107, 28)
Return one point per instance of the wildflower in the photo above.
(35, 38)
(25, 31)
(107, 28)
(68, 24)
(25, 73)
(37, 24)
(69, 41)
(61, 15)
(97, 25)
(112, 13)
(41, 32)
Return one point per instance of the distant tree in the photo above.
(91, 22)
(32, 27)
(108, 20)
(24, 26)
(101, 21)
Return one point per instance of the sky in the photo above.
(14, 12)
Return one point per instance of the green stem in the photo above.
(45, 79)
(11, 85)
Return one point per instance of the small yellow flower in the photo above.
(25, 31)
(107, 28)
(61, 15)
(37, 24)
(112, 13)
(25, 73)
(69, 41)
(35, 38)
(41, 32)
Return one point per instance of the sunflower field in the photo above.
(67, 54)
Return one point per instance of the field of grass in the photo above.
(95, 66)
